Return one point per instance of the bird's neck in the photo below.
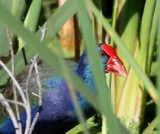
(85, 72)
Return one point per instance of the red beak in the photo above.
(114, 64)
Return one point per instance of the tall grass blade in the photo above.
(3, 38)
(104, 94)
(158, 76)
(31, 19)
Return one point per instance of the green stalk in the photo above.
(153, 125)
(4, 51)
(31, 19)
(145, 32)
(152, 41)
(18, 7)
(71, 87)
(103, 95)
(103, 92)
(114, 18)
(111, 77)
(158, 76)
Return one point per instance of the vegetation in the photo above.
(132, 27)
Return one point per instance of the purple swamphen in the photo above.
(57, 114)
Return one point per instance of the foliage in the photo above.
(133, 32)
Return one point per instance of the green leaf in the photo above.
(31, 19)
(103, 92)
(4, 48)
(18, 7)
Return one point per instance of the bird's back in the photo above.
(57, 114)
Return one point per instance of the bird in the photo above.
(57, 113)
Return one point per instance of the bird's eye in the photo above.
(102, 53)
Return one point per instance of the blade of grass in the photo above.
(145, 31)
(111, 77)
(114, 18)
(153, 125)
(128, 21)
(31, 19)
(152, 41)
(3, 42)
(12, 6)
(18, 7)
(70, 84)
(4, 51)
(103, 92)
(158, 76)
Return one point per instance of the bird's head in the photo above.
(110, 61)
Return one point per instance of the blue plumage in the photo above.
(57, 114)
